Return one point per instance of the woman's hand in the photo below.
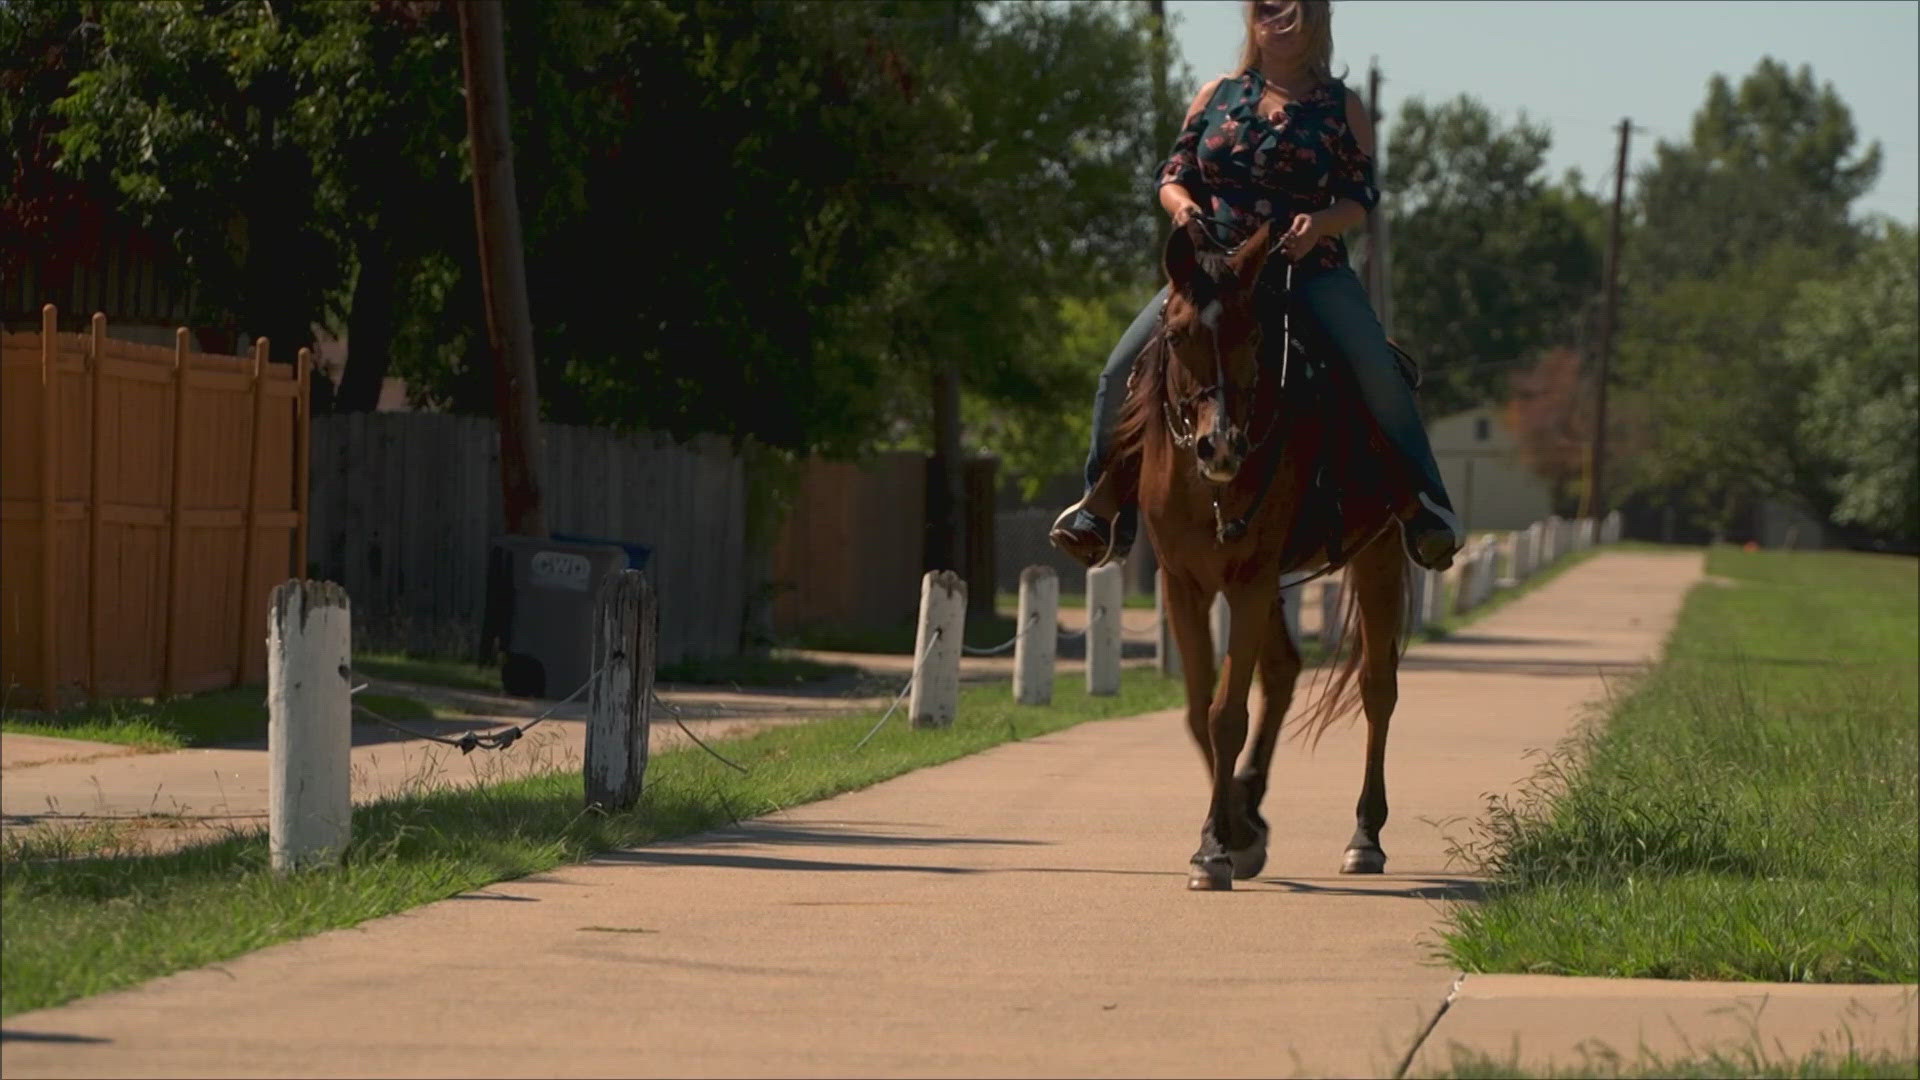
(1307, 230)
(1185, 212)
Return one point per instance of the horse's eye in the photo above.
(1176, 336)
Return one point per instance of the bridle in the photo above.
(1181, 416)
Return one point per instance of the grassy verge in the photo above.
(1009, 602)
(982, 632)
(80, 927)
(772, 670)
(453, 674)
(1718, 1066)
(1746, 813)
(211, 719)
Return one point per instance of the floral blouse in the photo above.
(1244, 169)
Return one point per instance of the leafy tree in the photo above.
(1729, 229)
(1491, 262)
(1769, 162)
(766, 220)
(1857, 339)
(189, 110)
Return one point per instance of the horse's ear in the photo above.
(1181, 258)
(1253, 256)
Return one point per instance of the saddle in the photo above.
(1330, 501)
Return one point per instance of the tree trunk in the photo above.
(502, 266)
(944, 536)
(370, 328)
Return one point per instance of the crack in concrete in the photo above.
(1420, 1040)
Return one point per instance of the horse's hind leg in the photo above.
(1279, 671)
(1378, 576)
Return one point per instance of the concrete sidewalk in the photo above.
(1019, 912)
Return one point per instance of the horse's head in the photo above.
(1213, 341)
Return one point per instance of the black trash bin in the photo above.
(540, 597)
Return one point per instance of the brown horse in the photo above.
(1235, 454)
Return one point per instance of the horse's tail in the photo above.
(1338, 690)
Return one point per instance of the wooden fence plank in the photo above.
(256, 431)
(49, 471)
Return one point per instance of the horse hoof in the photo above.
(1364, 861)
(1212, 875)
(1250, 860)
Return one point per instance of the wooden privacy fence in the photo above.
(150, 500)
(406, 506)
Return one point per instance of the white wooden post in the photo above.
(1329, 615)
(1222, 629)
(1104, 594)
(1436, 596)
(1037, 636)
(936, 645)
(1489, 568)
(309, 725)
(1417, 584)
(626, 621)
(1166, 652)
(1291, 599)
(1461, 575)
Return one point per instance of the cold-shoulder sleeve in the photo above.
(1183, 165)
(1353, 169)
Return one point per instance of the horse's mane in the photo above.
(1213, 276)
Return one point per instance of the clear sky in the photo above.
(1582, 65)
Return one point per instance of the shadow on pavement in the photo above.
(654, 857)
(774, 832)
(1432, 889)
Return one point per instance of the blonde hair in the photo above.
(1316, 24)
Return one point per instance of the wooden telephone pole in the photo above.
(1377, 280)
(1596, 463)
(503, 268)
(946, 537)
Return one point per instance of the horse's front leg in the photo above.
(1185, 609)
(1228, 829)
(1279, 671)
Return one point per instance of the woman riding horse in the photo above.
(1282, 141)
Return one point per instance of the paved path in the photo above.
(1019, 912)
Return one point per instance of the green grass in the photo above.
(772, 670)
(982, 631)
(210, 719)
(1009, 602)
(1849, 1065)
(453, 674)
(1746, 813)
(80, 927)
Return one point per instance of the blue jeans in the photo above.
(1337, 302)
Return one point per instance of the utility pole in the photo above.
(1596, 503)
(503, 270)
(1376, 263)
(946, 540)
(1162, 137)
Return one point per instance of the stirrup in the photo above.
(1434, 548)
